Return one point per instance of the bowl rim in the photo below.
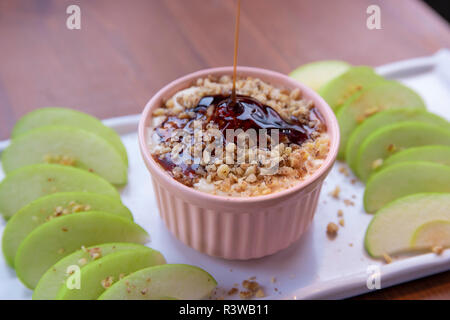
(274, 78)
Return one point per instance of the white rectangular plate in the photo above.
(313, 268)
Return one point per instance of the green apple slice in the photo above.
(318, 73)
(389, 139)
(381, 96)
(437, 154)
(102, 273)
(68, 117)
(392, 228)
(431, 234)
(180, 281)
(385, 118)
(53, 240)
(402, 179)
(66, 145)
(29, 183)
(341, 88)
(52, 206)
(52, 280)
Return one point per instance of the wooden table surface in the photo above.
(127, 50)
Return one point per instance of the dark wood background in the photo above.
(127, 49)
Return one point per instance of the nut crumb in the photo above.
(260, 293)
(273, 280)
(349, 202)
(245, 294)
(250, 285)
(387, 258)
(232, 291)
(344, 171)
(438, 250)
(377, 163)
(340, 213)
(95, 253)
(341, 222)
(335, 192)
(107, 282)
(391, 148)
(332, 230)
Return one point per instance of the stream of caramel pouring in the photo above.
(236, 43)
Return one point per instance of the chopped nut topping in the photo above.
(341, 222)
(71, 208)
(221, 174)
(63, 160)
(340, 213)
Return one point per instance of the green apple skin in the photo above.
(318, 73)
(384, 118)
(392, 228)
(387, 140)
(72, 118)
(55, 277)
(180, 281)
(402, 179)
(437, 154)
(54, 240)
(26, 184)
(89, 151)
(341, 88)
(381, 96)
(40, 210)
(116, 265)
(431, 234)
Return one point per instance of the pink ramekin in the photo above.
(237, 227)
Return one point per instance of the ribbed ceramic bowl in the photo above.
(237, 227)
